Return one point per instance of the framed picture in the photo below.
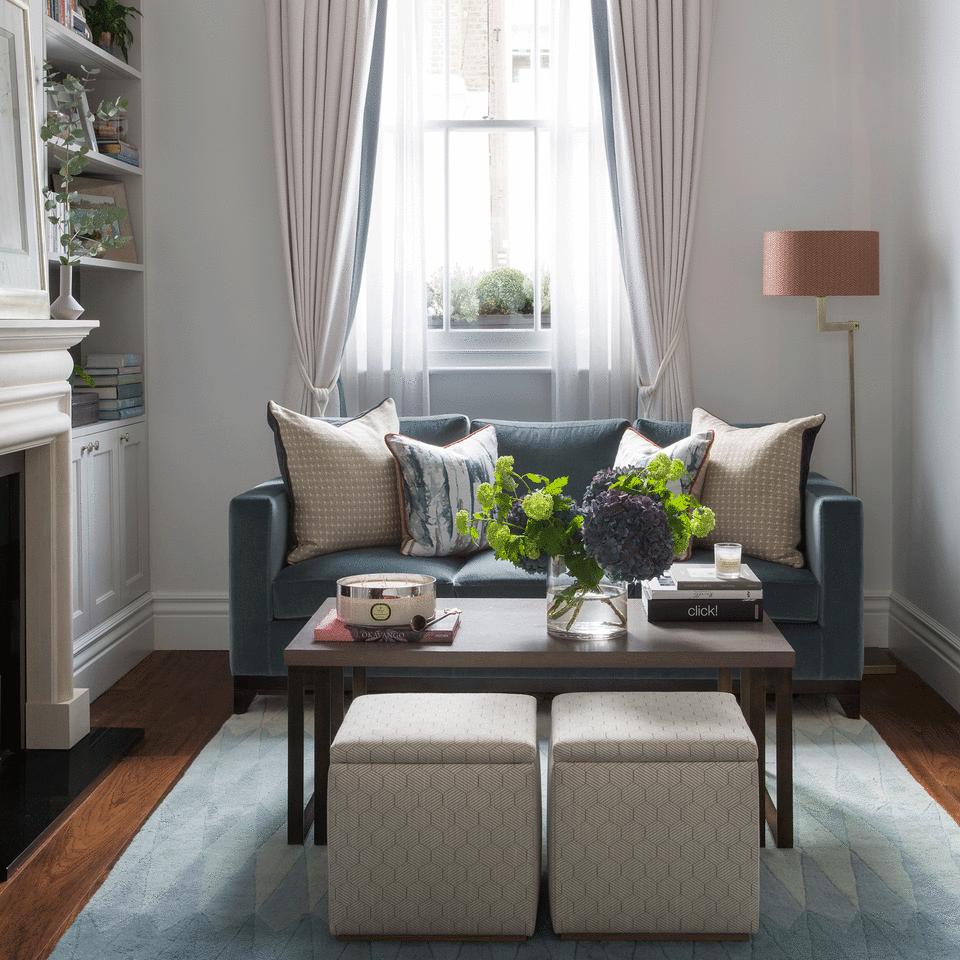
(94, 193)
(23, 268)
(61, 102)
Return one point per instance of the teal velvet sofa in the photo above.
(818, 608)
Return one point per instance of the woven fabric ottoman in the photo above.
(652, 817)
(433, 817)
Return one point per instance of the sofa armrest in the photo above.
(834, 551)
(257, 546)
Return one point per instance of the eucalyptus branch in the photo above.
(81, 230)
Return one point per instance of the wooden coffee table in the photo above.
(513, 633)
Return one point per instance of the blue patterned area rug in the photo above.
(875, 874)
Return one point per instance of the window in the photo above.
(488, 202)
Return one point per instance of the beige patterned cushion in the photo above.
(342, 480)
(647, 727)
(755, 482)
(438, 728)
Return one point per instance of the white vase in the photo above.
(65, 307)
(575, 612)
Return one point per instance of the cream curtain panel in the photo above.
(319, 56)
(659, 52)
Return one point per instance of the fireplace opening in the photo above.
(11, 609)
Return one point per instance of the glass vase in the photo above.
(577, 612)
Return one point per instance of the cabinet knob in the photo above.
(96, 444)
(124, 436)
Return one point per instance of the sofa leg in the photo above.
(850, 704)
(246, 688)
(242, 698)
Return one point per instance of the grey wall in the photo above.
(926, 371)
(804, 131)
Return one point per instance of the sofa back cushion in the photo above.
(576, 449)
(436, 483)
(341, 480)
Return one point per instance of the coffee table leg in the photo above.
(359, 688)
(725, 679)
(783, 690)
(754, 695)
(295, 827)
(321, 752)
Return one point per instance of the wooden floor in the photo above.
(182, 699)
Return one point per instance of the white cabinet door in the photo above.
(81, 562)
(97, 585)
(134, 543)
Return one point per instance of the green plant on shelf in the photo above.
(82, 228)
(107, 21)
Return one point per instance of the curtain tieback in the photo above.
(648, 389)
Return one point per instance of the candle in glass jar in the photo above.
(390, 599)
(726, 559)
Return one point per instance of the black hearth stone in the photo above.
(38, 786)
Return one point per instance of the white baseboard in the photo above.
(876, 619)
(191, 622)
(926, 647)
(113, 648)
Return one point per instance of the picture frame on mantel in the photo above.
(24, 294)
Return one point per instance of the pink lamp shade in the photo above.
(821, 263)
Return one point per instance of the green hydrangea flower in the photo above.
(462, 521)
(530, 550)
(485, 495)
(498, 535)
(702, 521)
(538, 505)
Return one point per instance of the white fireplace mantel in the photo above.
(35, 419)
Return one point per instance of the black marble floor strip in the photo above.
(37, 787)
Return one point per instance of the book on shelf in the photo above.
(114, 371)
(119, 150)
(111, 359)
(695, 610)
(331, 629)
(121, 404)
(123, 414)
(688, 581)
(114, 393)
(111, 380)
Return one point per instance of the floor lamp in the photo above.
(825, 263)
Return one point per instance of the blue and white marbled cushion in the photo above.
(435, 484)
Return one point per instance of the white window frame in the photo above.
(489, 348)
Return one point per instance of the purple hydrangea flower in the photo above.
(628, 534)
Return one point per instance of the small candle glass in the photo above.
(726, 560)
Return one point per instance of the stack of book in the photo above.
(693, 591)
(112, 140)
(118, 379)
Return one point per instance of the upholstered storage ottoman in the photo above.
(652, 817)
(433, 817)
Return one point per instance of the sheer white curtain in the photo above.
(594, 366)
(386, 352)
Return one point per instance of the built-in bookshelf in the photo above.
(111, 291)
(109, 457)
